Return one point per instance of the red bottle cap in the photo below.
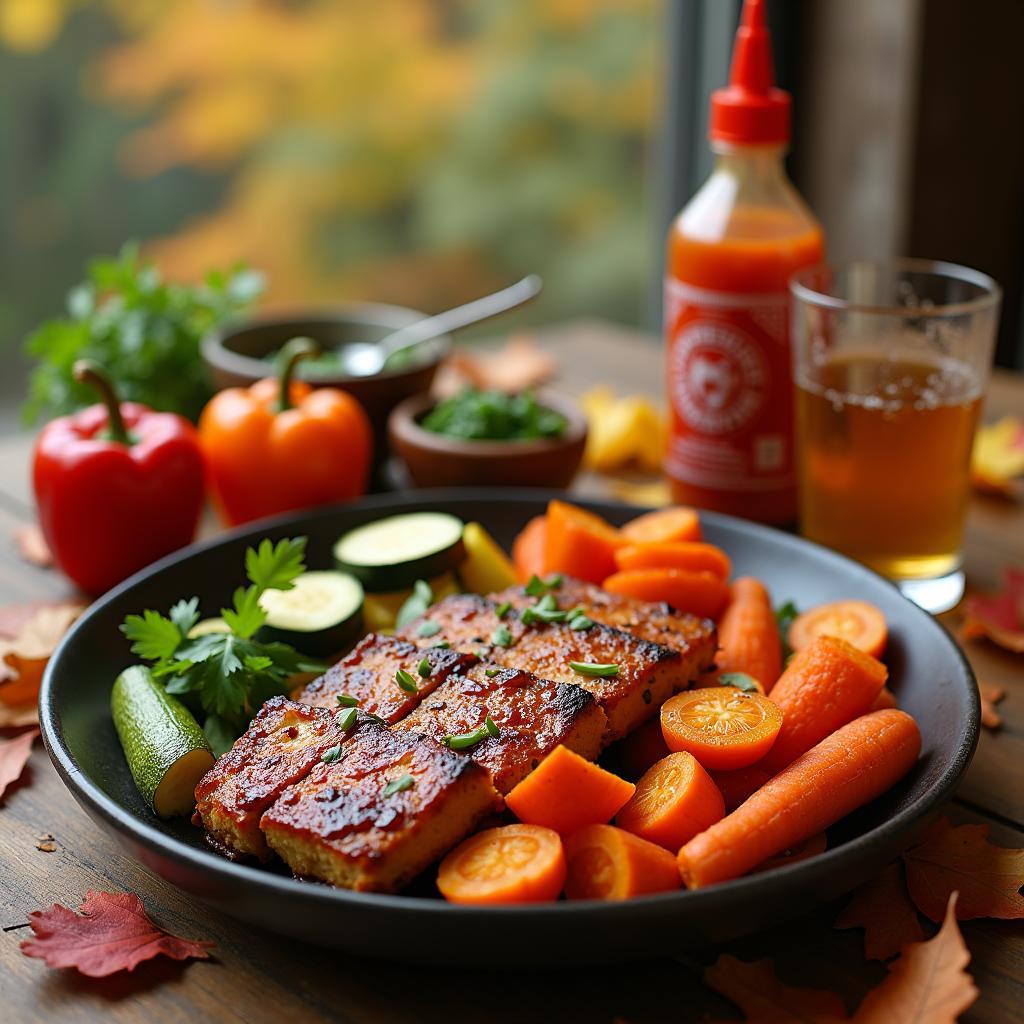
(750, 109)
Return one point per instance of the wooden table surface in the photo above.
(256, 976)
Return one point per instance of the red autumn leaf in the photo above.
(927, 985)
(990, 697)
(754, 988)
(962, 859)
(32, 546)
(883, 909)
(112, 933)
(998, 616)
(14, 756)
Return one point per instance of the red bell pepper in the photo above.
(117, 486)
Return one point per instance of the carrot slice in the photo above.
(739, 785)
(674, 800)
(678, 554)
(607, 863)
(856, 622)
(664, 524)
(722, 727)
(824, 686)
(885, 699)
(566, 792)
(853, 766)
(511, 864)
(701, 593)
(528, 548)
(579, 543)
(643, 747)
(748, 635)
(796, 853)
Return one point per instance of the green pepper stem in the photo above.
(85, 371)
(292, 353)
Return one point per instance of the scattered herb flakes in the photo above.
(399, 785)
(441, 645)
(345, 701)
(503, 609)
(491, 672)
(331, 754)
(580, 623)
(346, 719)
(492, 730)
(416, 604)
(428, 628)
(425, 668)
(502, 637)
(406, 681)
(586, 668)
(464, 741)
(536, 587)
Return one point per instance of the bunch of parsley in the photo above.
(226, 675)
(145, 332)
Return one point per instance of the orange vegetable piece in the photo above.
(674, 800)
(739, 785)
(579, 543)
(724, 728)
(748, 636)
(641, 748)
(566, 792)
(846, 770)
(608, 863)
(856, 622)
(824, 686)
(678, 554)
(664, 524)
(701, 593)
(528, 548)
(797, 852)
(885, 699)
(511, 864)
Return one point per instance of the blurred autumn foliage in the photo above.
(418, 151)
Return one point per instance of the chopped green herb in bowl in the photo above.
(474, 415)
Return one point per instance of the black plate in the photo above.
(928, 673)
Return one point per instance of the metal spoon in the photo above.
(364, 359)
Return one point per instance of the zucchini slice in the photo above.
(391, 554)
(206, 626)
(163, 744)
(322, 614)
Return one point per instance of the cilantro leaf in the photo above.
(784, 616)
(154, 637)
(247, 616)
(275, 566)
(416, 604)
(185, 614)
(219, 734)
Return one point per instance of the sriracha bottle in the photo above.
(730, 254)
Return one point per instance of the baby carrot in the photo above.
(736, 786)
(702, 593)
(566, 791)
(664, 524)
(748, 636)
(675, 554)
(673, 801)
(579, 543)
(528, 548)
(856, 622)
(607, 863)
(511, 864)
(846, 770)
(641, 748)
(824, 686)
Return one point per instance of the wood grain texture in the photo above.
(259, 977)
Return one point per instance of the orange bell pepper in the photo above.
(268, 454)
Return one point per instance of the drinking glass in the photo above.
(890, 363)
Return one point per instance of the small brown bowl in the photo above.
(434, 460)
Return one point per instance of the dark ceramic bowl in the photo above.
(928, 674)
(236, 357)
(434, 460)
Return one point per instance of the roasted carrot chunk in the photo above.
(748, 636)
(528, 548)
(674, 800)
(511, 864)
(824, 686)
(724, 728)
(857, 622)
(607, 863)
(678, 554)
(566, 792)
(853, 766)
(643, 747)
(664, 524)
(702, 593)
(579, 543)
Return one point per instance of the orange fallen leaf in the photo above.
(998, 616)
(990, 697)
(883, 909)
(962, 859)
(23, 657)
(31, 545)
(928, 984)
(14, 755)
(519, 365)
(998, 456)
(755, 989)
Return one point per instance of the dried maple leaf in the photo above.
(927, 985)
(45, 843)
(112, 933)
(14, 756)
(999, 616)
(23, 657)
(883, 909)
(990, 697)
(962, 859)
(32, 546)
(754, 988)
(998, 456)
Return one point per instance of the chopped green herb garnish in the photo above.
(580, 622)
(784, 616)
(346, 719)
(403, 782)
(503, 609)
(425, 668)
(740, 680)
(528, 616)
(538, 588)
(547, 603)
(586, 668)
(441, 645)
(491, 415)
(406, 681)
(492, 672)
(502, 637)
(346, 701)
(375, 718)
(416, 604)
(492, 730)
(331, 754)
(466, 740)
(428, 628)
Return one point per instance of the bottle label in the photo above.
(729, 389)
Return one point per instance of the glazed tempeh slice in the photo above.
(368, 674)
(391, 805)
(280, 747)
(647, 675)
(695, 638)
(533, 717)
